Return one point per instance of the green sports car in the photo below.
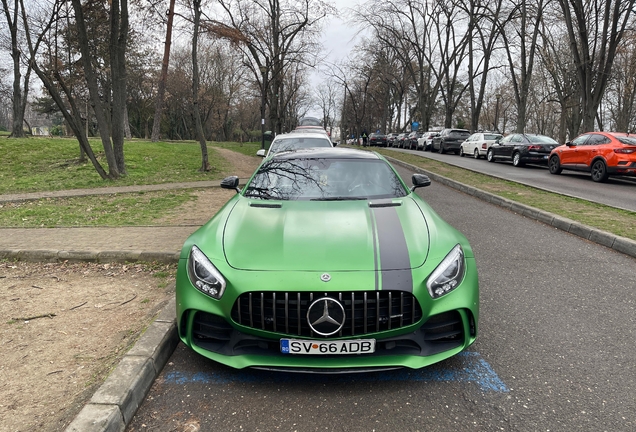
(327, 262)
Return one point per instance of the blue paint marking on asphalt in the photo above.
(471, 368)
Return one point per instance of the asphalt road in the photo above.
(555, 352)
(617, 192)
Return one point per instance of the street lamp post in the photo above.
(498, 96)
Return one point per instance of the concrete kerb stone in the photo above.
(620, 244)
(114, 404)
(102, 418)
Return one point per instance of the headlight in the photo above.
(203, 275)
(448, 274)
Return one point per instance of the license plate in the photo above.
(312, 347)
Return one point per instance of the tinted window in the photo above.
(598, 139)
(324, 179)
(293, 143)
(459, 134)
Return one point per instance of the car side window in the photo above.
(516, 139)
(580, 140)
(597, 140)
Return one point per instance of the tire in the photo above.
(476, 154)
(554, 165)
(516, 160)
(490, 156)
(461, 152)
(442, 150)
(599, 171)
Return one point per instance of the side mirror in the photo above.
(231, 182)
(261, 153)
(334, 143)
(420, 180)
(569, 144)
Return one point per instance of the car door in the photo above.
(507, 146)
(571, 156)
(590, 150)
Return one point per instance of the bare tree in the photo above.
(521, 28)
(595, 30)
(274, 35)
(20, 88)
(205, 164)
(73, 115)
(161, 88)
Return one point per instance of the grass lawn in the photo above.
(619, 222)
(42, 164)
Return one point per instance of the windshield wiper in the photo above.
(339, 198)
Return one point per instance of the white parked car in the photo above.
(477, 144)
(295, 141)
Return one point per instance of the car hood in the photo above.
(325, 236)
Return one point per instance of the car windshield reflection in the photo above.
(325, 180)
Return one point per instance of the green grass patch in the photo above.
(43, 164)
(132, 209)
(610, 219)
(246, 148)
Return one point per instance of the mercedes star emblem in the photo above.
(325, 277)
(326, 316)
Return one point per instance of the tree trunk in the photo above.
(118, 43)
(19, 100)
(161, 90)
(91, 81)
(205, 164)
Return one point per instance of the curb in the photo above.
(114, 404)
(44, 255)
(617, 243)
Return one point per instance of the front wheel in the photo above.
(554, 165)
(461, 152)
(442, 150)
(490, 156)
(516, 160)
(599, 171)
(476, 154)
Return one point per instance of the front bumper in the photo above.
(441, 328)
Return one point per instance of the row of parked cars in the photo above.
(600, 153)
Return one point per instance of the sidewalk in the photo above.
(140, 243)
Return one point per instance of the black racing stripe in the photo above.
(395, 263)
(375, 252)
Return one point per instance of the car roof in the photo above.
(326, 153)
(301, 134)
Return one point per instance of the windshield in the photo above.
(293, 143)
(325, 179)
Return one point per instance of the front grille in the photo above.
(365, 311)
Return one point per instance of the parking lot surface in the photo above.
(554, 351)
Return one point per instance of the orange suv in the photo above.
(600, 153)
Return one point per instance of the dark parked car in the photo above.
(449, 140)
(522, 149)
(411, 141)
(377, 139)
(399, 140)
(390, 138)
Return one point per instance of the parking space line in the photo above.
(472, 368)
